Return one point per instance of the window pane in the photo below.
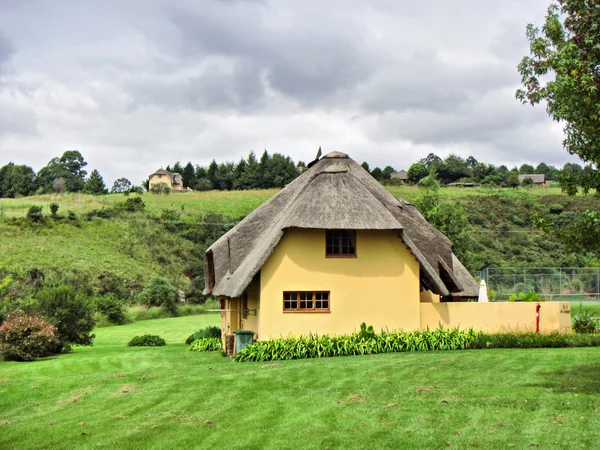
(318, 304)
(294, 304)
(325, 295)
(325, 304)
(287, 296)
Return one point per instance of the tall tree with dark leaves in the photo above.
(73, 164)
(94, 185)
(562, 71)
(189, 175)
(211, 173)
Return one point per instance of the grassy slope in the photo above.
(499, 224)
(114, 396)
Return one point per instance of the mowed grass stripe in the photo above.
(110, 395)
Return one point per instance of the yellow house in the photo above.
(173, 180)
(334, 249)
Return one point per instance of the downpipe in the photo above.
(537, 317)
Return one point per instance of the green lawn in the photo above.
(118, 397)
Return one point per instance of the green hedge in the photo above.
(365, 343)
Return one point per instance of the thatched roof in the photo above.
(537, 178)
(401, 175)
(174, 177)
(334, 193)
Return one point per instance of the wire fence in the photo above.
(553, 283)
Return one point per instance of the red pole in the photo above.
(537, 318)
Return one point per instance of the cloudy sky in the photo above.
(138, 84)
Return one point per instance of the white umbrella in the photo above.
(483, 292)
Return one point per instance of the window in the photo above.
(306, 301)
(211, 270)
(245, 306)
(340, 244)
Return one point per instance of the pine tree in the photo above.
(95, 184)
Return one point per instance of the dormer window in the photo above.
(340, 244)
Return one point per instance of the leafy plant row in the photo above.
(211, 344)
(365, 343)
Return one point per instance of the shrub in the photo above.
(209, 344)
(147, 340)
(111, 308)
(35, 214)
(25, 338)
(556, 209)
(526, 297)
(70, 311)
(208, 332)
(54, 209)
(584, 323)
(159, 292)
(132, 204)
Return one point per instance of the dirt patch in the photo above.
(271, 366)
(121, 416)
(357, 398)
(128, 389)
(72, 399)
(425, 389)
(4, 422)
(391, 405)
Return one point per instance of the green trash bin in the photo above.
(243, 338)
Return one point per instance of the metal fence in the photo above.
(553, 283)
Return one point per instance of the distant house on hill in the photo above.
(539, 179)
(173, 180)
(400, 175)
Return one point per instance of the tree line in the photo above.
(67, 174)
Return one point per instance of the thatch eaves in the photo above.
(174, 177)
(334, 193)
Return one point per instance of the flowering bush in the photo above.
(25, 338)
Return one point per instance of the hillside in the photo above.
(118, 247)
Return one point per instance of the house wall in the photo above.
(160, 179)
(497, 316)
(380, 286)
(429, 297)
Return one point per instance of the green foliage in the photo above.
(208, 344)
(567, 48)
(448, 218)
(556, 208)
(121, 185)
(70, 310)
(95, 184)
(367, 343)
(159, 292)
(527, 182)
(526, 297)
(417, 172)
(35, 214)
(132, 204)
(534, 340)
(584, 323)
(16, 181)
(25, 338)
(112, 308)
(147, 340)
(208, 332)
(54, 209)
(160, 188)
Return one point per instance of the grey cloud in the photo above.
(6, 50)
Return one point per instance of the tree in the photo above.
(471, 161)
(417, 172)
(526, 169)
(211, 173)
(365, 165)
(59, 186)
(431, 160)
(94, 185)
(449, 218)
(377, 173)
(568, 47)
(69, 168)
(16, 181)
(452, 169)
(121, 185)
(387, 172)
(512, 179)
(189, 175)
